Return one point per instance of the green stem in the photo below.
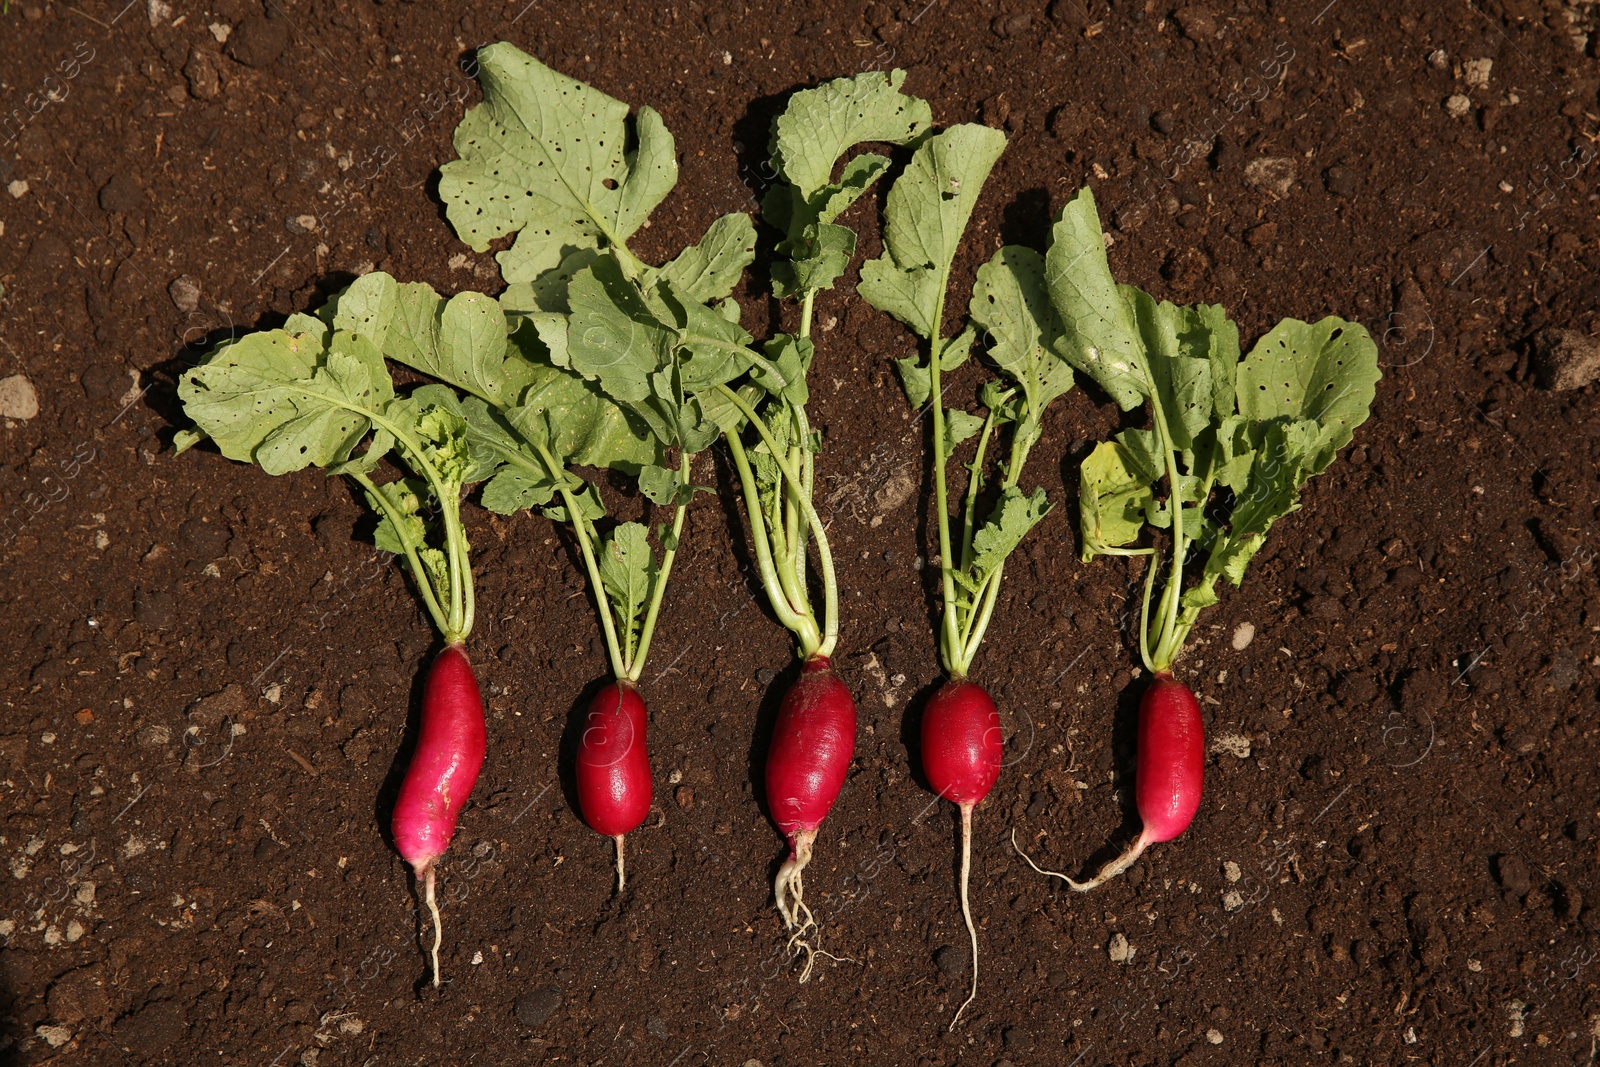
(800, 529)
(1167, 624)
(830, 588)
(787, 527)
(582, 530)
(808, 480)
(978, 625)
(419, 573)
(455, 546)
(648, 629)
(1022, 443)
(969, 519)
(781, 531)
(1144, 610)
(950, 638)
(988, 594)
(801, 625)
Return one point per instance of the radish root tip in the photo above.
(788, 890)
(1129, 856)
(966, 908)
(438, 928)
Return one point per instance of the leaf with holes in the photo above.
(549, 159)
(1325, 371)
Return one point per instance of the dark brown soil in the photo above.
(1407, 793)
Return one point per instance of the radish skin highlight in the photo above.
(813, 742)
(1169, 774)
(613, 766)
(442, 772)
(961, 753)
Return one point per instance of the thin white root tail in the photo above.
(788, 890)
(622, 874)
(438, 928)
(966, 908)
(1108, 872)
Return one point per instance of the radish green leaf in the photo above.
(548, 158)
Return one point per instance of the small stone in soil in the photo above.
(1565, 359)
(18, 399)
(185, 293)
(1233, 743)
(1271, 174)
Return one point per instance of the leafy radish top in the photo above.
(311, 393)
(777, 470)
(649, 350)
(1234, 440)
(928, 209)
(815, 130)
(546, 157)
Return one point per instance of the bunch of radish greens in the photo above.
(313, 394)
(543, 157)
(549, 159)
(594, 360)
(927, 211)
(1230, 444)
(774, 449)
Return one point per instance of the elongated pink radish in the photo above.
(614, 787)
(813, 742)
(961, 751)
(1169, 772)
(442, 772)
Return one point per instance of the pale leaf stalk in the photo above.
(419, 573)
(808, 473)
(950, 637)
(462, 606)
(974, 487)
(802, 626)
(824, 553)
(1167, 621)
(648, 629)
(580, 528)
(989, 594)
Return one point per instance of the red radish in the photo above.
(442, 772)
(813, 741)
(614, 787)
(1168, 773)
(961, 750)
